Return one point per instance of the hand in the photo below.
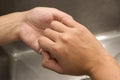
(69, 48)
(35, 21)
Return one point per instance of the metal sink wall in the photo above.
(102, 17)
(26, 64)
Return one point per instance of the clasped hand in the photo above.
(69, 47)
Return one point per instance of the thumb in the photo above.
(40, 17)
(50, 63)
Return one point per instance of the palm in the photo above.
(31, 30)
(36, 20)
(30, 36)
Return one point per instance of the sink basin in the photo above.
(26, 64)
(101, 17)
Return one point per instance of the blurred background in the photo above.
(97, 15)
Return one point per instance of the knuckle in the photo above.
(57, 48)
(79, 31)
(66, 38)
(76, 31)
(46, 30)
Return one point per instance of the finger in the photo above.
(51, 34)
(59, 15)
(71, 23)
(45, 43)
(50, 63)
(40, 50)
(58, 26)
(65, 18)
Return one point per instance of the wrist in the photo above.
(20, 20)
(106, 69)
(9, 27)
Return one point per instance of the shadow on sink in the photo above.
(4, 65)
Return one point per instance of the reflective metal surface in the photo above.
(102, 17)
(26, 65)
(110, 41)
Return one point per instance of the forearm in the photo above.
(109, 70)
(9, 27)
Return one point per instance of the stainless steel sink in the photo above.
(102, 17)
(26, 64)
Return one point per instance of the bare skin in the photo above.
(68, 47)
(28, 25)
